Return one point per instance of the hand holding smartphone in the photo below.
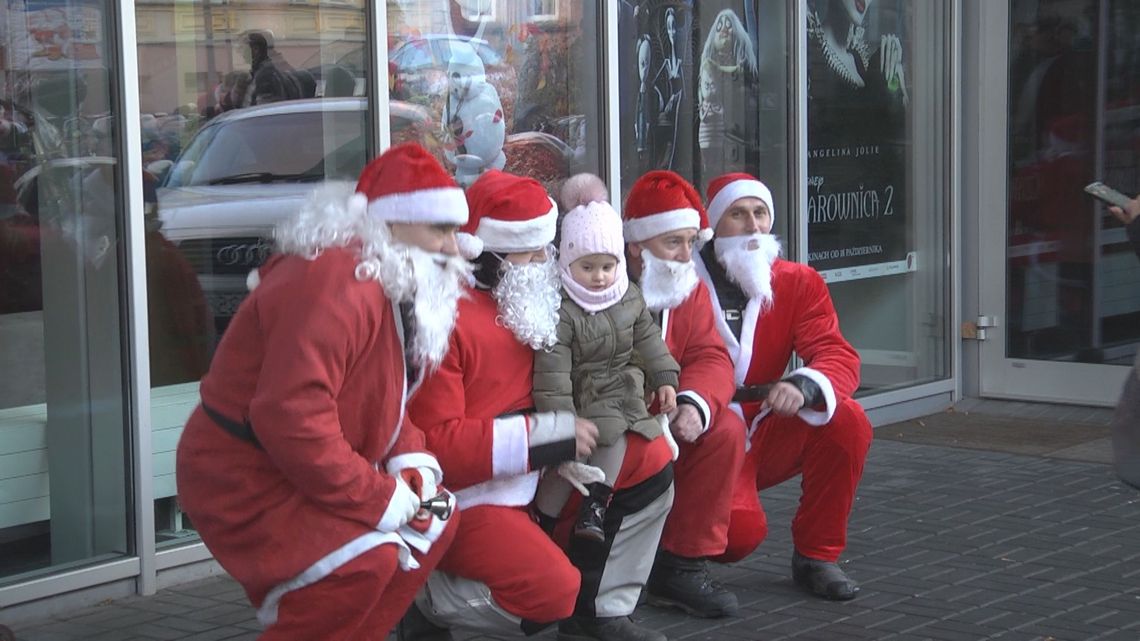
(1109, 195)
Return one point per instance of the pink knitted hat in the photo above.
(594, 228)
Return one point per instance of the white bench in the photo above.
(24, 487)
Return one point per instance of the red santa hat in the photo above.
(508, 214)
(662, 201)
(406, 184)
(729, 188)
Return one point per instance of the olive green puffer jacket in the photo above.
(595, 370)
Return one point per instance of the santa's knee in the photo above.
(558, 595)
(746, 531)
(850, 428)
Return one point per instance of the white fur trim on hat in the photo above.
(253, 279)
(518, 236)
(440, 205)
(733, 192)
(646, 227)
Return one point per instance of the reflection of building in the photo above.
(169, 32)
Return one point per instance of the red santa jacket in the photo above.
(314, 361)
(489, 458)
(802, 319)
(706, 370)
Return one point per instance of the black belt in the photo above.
(241, 431)
(751, 393)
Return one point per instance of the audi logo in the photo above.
(245, 254)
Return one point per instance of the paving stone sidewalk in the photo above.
(949, 544)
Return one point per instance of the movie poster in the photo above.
(858, 200)
(658, 99)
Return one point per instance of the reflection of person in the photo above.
(474, 124)
(606, 338)
(728, 69)
(663, 215)
(299, 469)
(807, 423)
(503, 573)
(273, 79)
(1126, 422)
(669, 83)
(641, 118)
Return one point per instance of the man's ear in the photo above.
(634, 250)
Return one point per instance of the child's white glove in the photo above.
(580, 475)
(664, 421)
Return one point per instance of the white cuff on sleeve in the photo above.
(419, 460)
(817, 417)
(509, 446)
(706, 413)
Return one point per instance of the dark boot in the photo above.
(545, 521)
(685, 583)
(578, 628)
(822, 578)
(592, 514)
(415, 626)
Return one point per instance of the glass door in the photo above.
(1070, 305)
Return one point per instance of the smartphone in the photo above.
(1109, 195)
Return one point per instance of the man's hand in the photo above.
(667, 397)
(685, 423)
(1128, 214)
(585, 436)
(785, 399)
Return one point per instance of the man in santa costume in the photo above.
(806, 423)
(299, 469)
(664, 220)
(504, 574)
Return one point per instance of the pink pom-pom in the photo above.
(583, 189)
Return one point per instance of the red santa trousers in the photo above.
(527, 573)
(829, 457)
(703, 479)
(361, 600)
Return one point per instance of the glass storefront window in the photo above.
(498, 84)
(1074, 117)
(878, 113)
(64, 479)
(704, 91)
(245, 107)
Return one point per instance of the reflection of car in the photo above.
(249, 168)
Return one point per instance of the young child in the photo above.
(606, 338)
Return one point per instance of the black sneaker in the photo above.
(605, 629)
(685, 583)
(592, 514)
(415, 626)
(823, 578)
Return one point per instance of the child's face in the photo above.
(595, 271)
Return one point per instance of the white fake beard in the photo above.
(432, 282)
(748, 262)
(528, 297)
(665, 284)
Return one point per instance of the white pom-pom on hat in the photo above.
(470, 246)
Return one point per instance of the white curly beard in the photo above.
(440, 283)
(665, 284)
(748, 262)
(529, 296)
